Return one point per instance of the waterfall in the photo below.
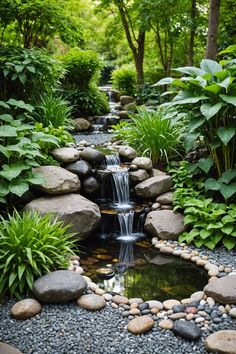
(112, 160)
(126, 221)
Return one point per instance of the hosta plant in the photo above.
(210, 223)
(31, 246)
(209, 93)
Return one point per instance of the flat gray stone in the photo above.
(143, 162)
(139, 175)
(187, 330)
(222, 342)
(80, 168)
(91, 302)
(83, 215)
(165, 224)
(222, 290)
(92, 155)
(127, 153)
(81, 124)
(126, 99)
(24, 309)
(59, 286)
(166, 198)
(66, 154)
(154, 186)
(57, 180)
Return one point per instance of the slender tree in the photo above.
(192, 31)
(213, 24)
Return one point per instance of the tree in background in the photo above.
(213, 24)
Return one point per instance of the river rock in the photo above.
(25, 309)
(92, 155)
(168, 304)
(154, 186)
(118, 299)
(139, 175)
(222, 290)
(126, 100)
(57, 180)
(127, 153)
(59, 286)
(166, 198)
(140, 324)
(155, 172)
(232, 312)
(8, 349)
(222, 342)
(66, 154)
(81, 124)
(123, 114)
(83, 215)
(155, 304)
(143, 162)
(90, 185)
(91, 302)
(166, 324)
(164, 224)
(187, 330)
(80, 168)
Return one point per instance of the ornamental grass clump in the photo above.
(31, 246)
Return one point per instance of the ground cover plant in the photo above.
(31, 246)
(124, 80)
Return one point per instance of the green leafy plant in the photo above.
(19, 150)
(186, 184)
(53, 110)
(31, 246)
(124, 80)
(209, 92)
(153, 134)
(211, 223)
(26, 74)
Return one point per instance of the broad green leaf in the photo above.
(23, 78)
(209, 111)
(190, 70)
(179, 83)
(19, 68)
(190, 140)
(229, 242)
(229, 49)
(13, 170)
(20, 104)
(227, 176)
(4, 105)
(228, 190)
(210, 66)
(212, 184)
(36, 179)
(221, 74)
(7, 131)
(195, 123)
(228, 219)
(226, 82)
(3, 189)
(165, 81)
(2, 200)
(225, 134)
(205, 164)
(189, 100)
(227, 229)
(18, 187)
(214, 88)
(205, 234)
(216, 142)
(6, 118)
(229, 99)
(31, 69)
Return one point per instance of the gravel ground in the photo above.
(96, 138)
(68, 329)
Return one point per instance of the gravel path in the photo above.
(69, 329)
(96, 139)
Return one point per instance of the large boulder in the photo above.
(82, 214)
(143, 162)
(59, 286)
(57, 180)
(166, 198)
(123, 114)
(8, 349)
(221, 342)
(138, 176)
(80, 168)
(81, 124)
(127, 153)
(164, 224)
(154, 186)
(66, 154)
(92, 155)
(90, 185)
(126, 100)
(222, 290)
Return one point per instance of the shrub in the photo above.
(27, 73)
(153, 134)
(124, 80)
(31, 246)
(82, 68)
(53, 110)
(209, 93)
(89, 101)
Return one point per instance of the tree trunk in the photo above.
(192, 33)
(214, 15)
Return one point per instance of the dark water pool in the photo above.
(151, 275)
